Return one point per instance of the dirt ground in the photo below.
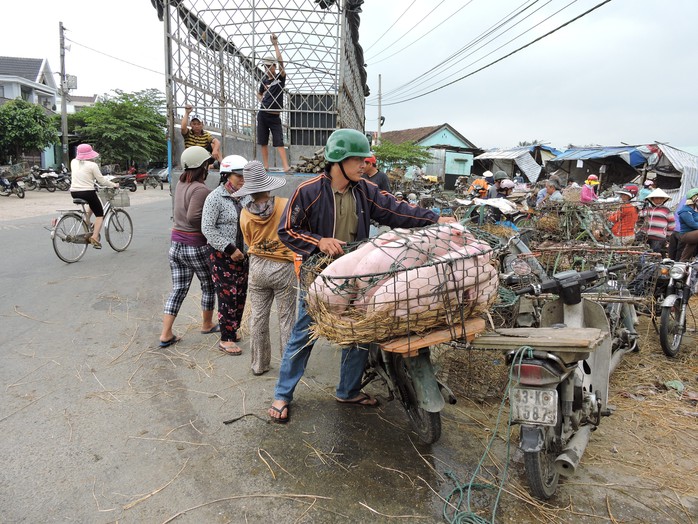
(125, 432)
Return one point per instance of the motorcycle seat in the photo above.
(79, 201)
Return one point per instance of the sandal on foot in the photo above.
(230, 350)
(168, 343)
(95, 243)
(362, 400)
(214, 329)
(280, 411)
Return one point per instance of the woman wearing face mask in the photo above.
(226, 251)
(688, 217)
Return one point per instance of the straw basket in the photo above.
(433, 277)
(572, 194)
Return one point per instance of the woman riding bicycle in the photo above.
(84, 174)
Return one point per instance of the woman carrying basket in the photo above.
(84, 174)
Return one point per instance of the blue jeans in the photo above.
(297, 353)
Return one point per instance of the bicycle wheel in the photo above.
(119, 230)
(69, 238)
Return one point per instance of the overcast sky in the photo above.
(626, 72)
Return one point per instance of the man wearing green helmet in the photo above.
(324, 214)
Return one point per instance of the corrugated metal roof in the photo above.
(514, 152)
(630, 154)
(687, 164)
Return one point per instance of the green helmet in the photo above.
(344, 143)
(194, 156)
(691, 193)
(500, 175)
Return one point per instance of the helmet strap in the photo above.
(341, 168)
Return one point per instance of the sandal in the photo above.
(280, 411)
(233, 350)
(363, 399)
(95, 243)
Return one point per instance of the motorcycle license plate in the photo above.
(533, 406)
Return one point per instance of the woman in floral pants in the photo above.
(226, 257)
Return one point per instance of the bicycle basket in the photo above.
(116, 197)
(401, 282)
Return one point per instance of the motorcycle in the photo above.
(404, 366)
(680, 285)
(124, 181)
(12, 187)
(561, 372)
(63, 178)
(41, 178)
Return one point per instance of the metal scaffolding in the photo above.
(214, 51)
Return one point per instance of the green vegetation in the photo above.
(401, 156)
(25, 127)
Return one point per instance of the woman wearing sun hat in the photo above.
(624, 219)
(658, 220)
(271, 275)
(84, 174)
(588, 194)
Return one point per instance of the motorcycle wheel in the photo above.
(539, 466)
(50, 187)
(133, 188)
(19, 191)
(427, 425)
(670, 332)
(63, 185)
(29, 185)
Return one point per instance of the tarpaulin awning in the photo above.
(630, 154)
(522, 156)
(686, 164)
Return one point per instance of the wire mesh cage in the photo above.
(401, 282)
(216, 51)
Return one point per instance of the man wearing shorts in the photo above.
(271, 97)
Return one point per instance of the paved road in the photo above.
(100, 425)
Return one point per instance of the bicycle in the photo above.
(71, 232)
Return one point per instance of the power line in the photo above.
(435, 81)
(410, 29)
(425, 34)
(115, 57)
(502, 58)
(422, 77)
(386, 31)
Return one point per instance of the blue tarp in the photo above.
(628, 153)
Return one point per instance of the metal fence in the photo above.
(215, 48)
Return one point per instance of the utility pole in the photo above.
(64, 101)
(380, 118)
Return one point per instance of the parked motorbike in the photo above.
(39, 178)
(63, 178)
(12, 187)
(679, 287)
(125, 182)
(561, 372)
(405, 369)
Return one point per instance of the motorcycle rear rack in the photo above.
(410, 345)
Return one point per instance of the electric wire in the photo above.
(407, 32)
(502, 22)
(435, 81)
(501, 58)
(425, 34)
(115, 57)
(386, 31)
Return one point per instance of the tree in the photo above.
(402, 155)
(125, 127)
(534, 142)
(25, 127)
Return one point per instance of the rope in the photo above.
(468, 516)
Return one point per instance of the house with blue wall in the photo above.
(452, 153)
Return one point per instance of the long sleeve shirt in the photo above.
(588, 194)
(220, 221)
(659, 222)
(624, 220)
(84, 174)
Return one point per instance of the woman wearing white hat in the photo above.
(658, 220)
(624, 220)
(226, 250)
(271, 275)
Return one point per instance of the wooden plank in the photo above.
(560, 339)
(412, 343)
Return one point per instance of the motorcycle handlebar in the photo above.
(584, 277)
